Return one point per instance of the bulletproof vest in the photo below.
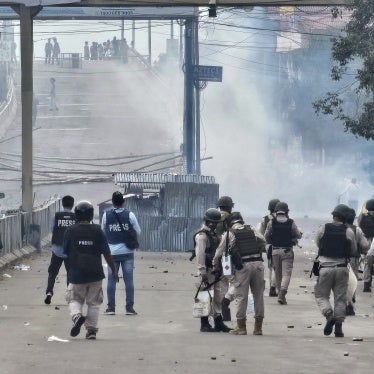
(213, 244)
(85, 247)
(246, 242)
(367, 225)
(62, 221)
(113, 231)
(220, 229)
(282, 234)
(334, 242)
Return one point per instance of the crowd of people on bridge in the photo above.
(108, 50)
(229, 258)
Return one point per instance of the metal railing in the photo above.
(23, 229)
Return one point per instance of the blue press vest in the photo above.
(113, 231)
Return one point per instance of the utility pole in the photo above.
(149, 43)
(188, 118)
(197, 103)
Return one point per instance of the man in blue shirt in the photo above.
(121, 229)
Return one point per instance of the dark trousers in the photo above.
(53, 269)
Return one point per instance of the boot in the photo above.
(258, 326)
(349, 310)
(273, 292)
(205, 325)
(282, 297)
(367, 287)
(330, 322)
(219, 325)
(240, 329)
(226, 314)
(338, 330)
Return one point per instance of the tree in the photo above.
(354, 104)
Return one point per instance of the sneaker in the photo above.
(130, 312)
(48, 298)
(78, 321)
(110, 312)
(91, 335)
(273, 292)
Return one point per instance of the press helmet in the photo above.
(341, 211)
(234, 217)
(272, 204)
(281, 207)
(212, 215)
(84, 211)
(370, 205)
(225, 201)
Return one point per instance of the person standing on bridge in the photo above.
(61, 221)
(121, 229)
(56, 52)
(84, 243)
(336, 244)
(53, 105)
(48, 51)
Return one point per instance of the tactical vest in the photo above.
(213, 245)
(246, 242)
(113, 231)
(282, 234)
(334, 242)
(63, 220)
(367, 225)
(85, 248)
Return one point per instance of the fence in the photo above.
(21, 229)
(71, 60)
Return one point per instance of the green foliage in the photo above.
(355, 47)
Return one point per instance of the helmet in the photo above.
(225, 201)
(341, 211)
(281, 207)
(272, 204)
(351, 214)
(370, 204)
(234, 217)
(84, 211)
(212, 215)
(117, 198)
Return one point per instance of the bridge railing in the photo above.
(19, 229)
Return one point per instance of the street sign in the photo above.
(207, 73)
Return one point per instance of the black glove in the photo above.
(204, 278)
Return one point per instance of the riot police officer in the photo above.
(225, 205)
(206, 242)
(283, 234)
(245, 245)
(336, 243)
(269, 250)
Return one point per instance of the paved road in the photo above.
(164, 338)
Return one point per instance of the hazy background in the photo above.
(257, 153)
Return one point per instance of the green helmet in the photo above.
(341, 211)
(351, 215)
(272, 204)
(370, 204)
(234, 217)
(225, 201)
(212, 215)
(281, 207)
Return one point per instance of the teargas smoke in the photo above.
(259, 122)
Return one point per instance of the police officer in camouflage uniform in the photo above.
(246, 246)
(264, 222)
(336, 243)
(282, 233)
(365, 221)
(206, 242)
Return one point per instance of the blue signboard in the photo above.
(207, 73)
